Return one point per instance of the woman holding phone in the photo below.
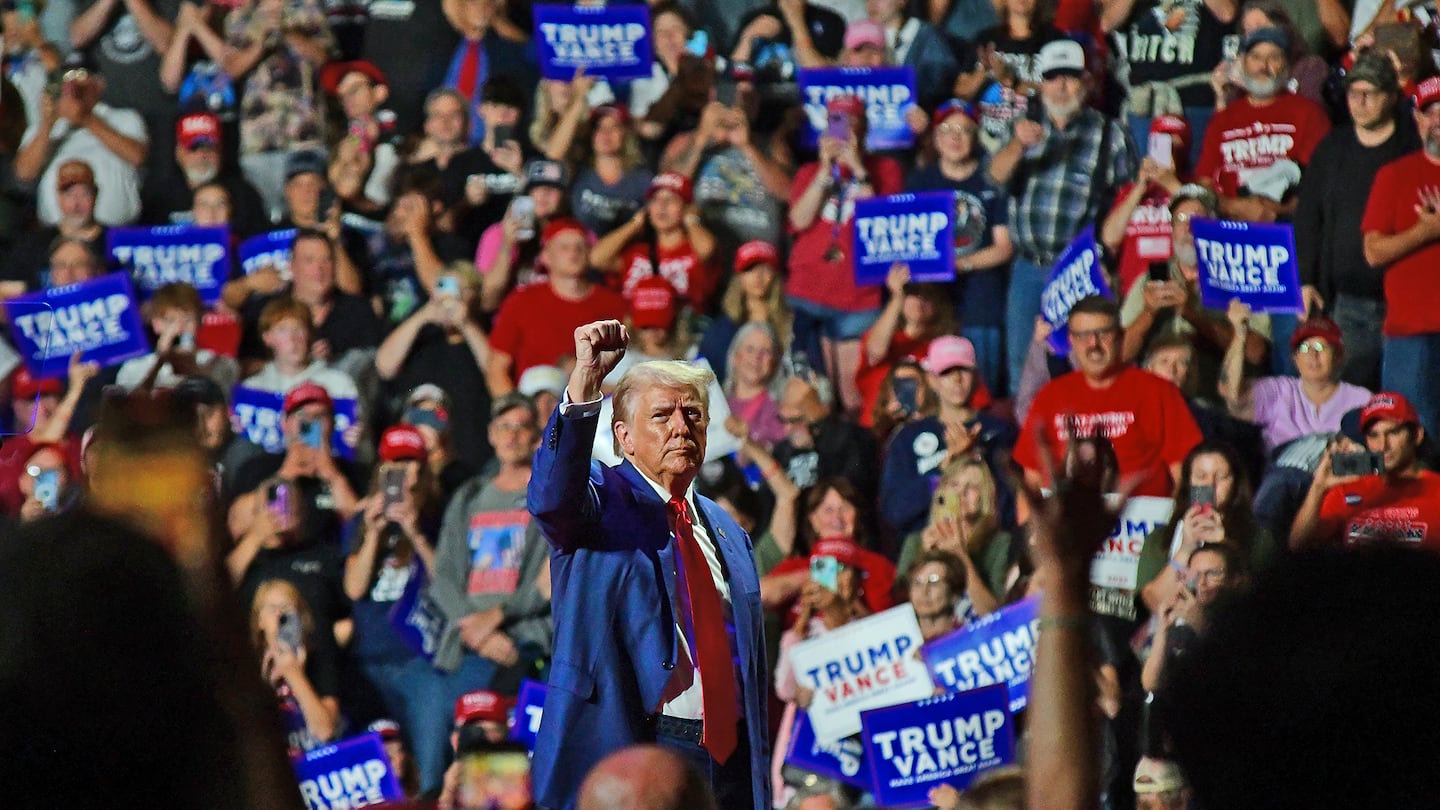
(1214, 506)
(964, 521)
(297, 664)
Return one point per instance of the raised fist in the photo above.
(598, 349)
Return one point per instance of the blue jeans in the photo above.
(1359, 320)
(989, 344)
(416, 697)
(1282, 360)
(1410, 369)
(1022, 304)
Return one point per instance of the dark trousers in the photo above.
(730, 782)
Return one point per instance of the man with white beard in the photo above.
(1058, 170)
(200, 158)
(1153, 309)
(1256, 148)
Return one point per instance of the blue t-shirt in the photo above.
(979, 208)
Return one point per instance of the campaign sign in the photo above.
(529, 709)
(916, 229)
(351, 773)
(416, 617)
(268, 250)
(98, 318)
(842, 759)
(861, 665)
(997, 649)
(888, 92)
(1113, 577)
(946, 740)
(1251, 261)
(609, 41)
(260, 416)
(158, 256)
(1077, 273)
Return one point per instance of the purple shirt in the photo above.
(1284, 414)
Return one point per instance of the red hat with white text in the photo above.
(1388, 405)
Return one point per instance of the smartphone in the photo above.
(1162, 149)
(1034, 108)
(312, 434)
(186, 341)
(495, 778)
(825, 571)
(1159, 271)
(522, 209)
(288, 632)
(699, 44)
(503, 133)
(725, 92)
(326, 204)
(838, 127)
(277, 500)
(907, 393)
(1203, 496)
(1344, 464)
(946, 508)
(448, 286)
(47, 487)
(392, 486)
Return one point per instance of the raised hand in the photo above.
(599, 346)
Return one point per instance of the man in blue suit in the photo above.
(658, 628)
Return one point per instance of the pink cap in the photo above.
(864, 32)
(947, 352)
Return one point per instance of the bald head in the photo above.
(644, 777)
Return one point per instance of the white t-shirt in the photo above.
(118, 182)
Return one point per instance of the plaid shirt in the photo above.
(1055, 203)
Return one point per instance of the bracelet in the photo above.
(1073, 621)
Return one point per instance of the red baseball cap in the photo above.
(402, 443)
(673, 182)
(1427, 93)
(1388, 405)
(1323, 328)
(387, 729)
(652, 303)
(607, 110)
(756, 252)
(197, 130)
(333, 73)
(555, 227)
(306, 393)
(845, 551)
(955, 106)
(1173, 125)
(24, 386)
(482, 704)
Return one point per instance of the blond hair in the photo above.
(661, 374)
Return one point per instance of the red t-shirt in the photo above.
(828, 283)
(1145, 417)
(1147, 234)
(1374, 510)
(879, 578)
(869, 378)
(690, 277)
(536, 327)
(1262, 148)
(1411, 281)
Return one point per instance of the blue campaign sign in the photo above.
(267, 250)
(98, 318)
(996, 649)
(158, 256)
(260, 416)
(351, 773)
(529, 709)
(888, 92)
(1252, 261)
(1077, 273)
(843, 759)
(609, 41)
(916, 229)
(416, 616)
(948, 740)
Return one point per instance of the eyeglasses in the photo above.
(1312, 347)
(954, 129)
(1364, 96)
(1211, 575)
(1087, 335)
(927, 582)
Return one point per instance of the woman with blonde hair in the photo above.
(965, 520)
(754, 294)
(612, 174)
(297, 664)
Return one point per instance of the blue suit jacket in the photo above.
(612, 564)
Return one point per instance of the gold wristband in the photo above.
(1073, 621)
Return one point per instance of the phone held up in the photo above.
(1356, 464)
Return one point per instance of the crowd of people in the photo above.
(452, 219)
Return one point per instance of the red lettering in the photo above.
(864, 682)
(830, 694)
(880, 677)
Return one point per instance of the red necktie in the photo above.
(712, 645)
(469, 70)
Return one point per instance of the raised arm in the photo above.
(1233, 386)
